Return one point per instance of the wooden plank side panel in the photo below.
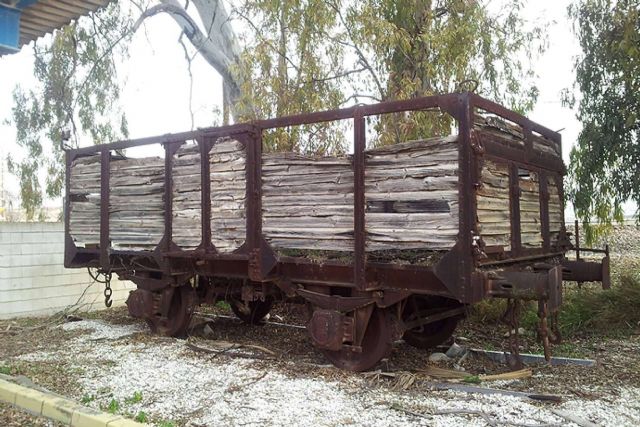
(307, 202)
(136, 205)
(187, 197)
(415, 210)
(555, 211)
(410, 190)
(493, 205)
(530, 223)
(84, 203)
(227, 172)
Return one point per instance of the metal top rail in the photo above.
(438, 101)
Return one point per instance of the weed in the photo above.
(87, 398)
(585, 312)
(472, 379)
(141, 417)
(114, 406)
(223, 305)
(166, 424)
(136, 398)
(6, 370)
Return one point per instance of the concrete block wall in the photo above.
(33, 280)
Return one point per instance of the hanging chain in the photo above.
(511, 318)
(548, 328)
(107, 284)
(107, 290)
(543, 328)
(556, 337)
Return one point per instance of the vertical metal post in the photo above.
(577, 229)
(169, 150)
(514, 208)
(528, 142)
(359, 146)
(105, 162)
(261, 257)
(205, 195)
(469, 178)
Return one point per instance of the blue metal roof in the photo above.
(22, 21)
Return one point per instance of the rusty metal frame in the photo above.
(454, 276)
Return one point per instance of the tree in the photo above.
(78, 93)
(294, 56)
(415, 48)
(604, 162)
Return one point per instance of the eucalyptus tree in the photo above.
(280, 57)
(604, 162)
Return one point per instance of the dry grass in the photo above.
(587, 311)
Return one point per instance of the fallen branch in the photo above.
(514, 375)
(484, 416)
(229, 346)
(574, 418)
(235, 387)
(490, 421)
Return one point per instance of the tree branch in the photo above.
(359, 53)
(212, 50)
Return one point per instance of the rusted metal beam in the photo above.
(359, 144)
(105, 161)
(204, 145)
(514, 209)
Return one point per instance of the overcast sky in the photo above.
(155, 95)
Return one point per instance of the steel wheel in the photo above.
(432, 334)
(376, 344)
(178, 319)
(252, 312)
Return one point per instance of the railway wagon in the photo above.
(387, 242)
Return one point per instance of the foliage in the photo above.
(413, 48)
(472, 379)
(78, 91)
(294, 68)
(605, 160)
(141, 417)
(609, 311)
(136, 398)
(584, 312)
(87, 398)
(223, 305)
(113, 407)
(383, 50)
(299, 56)
(5, 370)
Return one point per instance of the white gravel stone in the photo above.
(177, 384)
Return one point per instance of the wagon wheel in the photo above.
(252, 312)
(178, 319)
(376, 344)
(432, 334)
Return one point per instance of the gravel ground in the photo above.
(110, 360)
(113, 362)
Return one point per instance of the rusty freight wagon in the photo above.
(388, 242)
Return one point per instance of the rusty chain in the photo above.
(511, 318)
(107, 284)
(107, 290)
(543, 329)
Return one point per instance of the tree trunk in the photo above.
(218, 45)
